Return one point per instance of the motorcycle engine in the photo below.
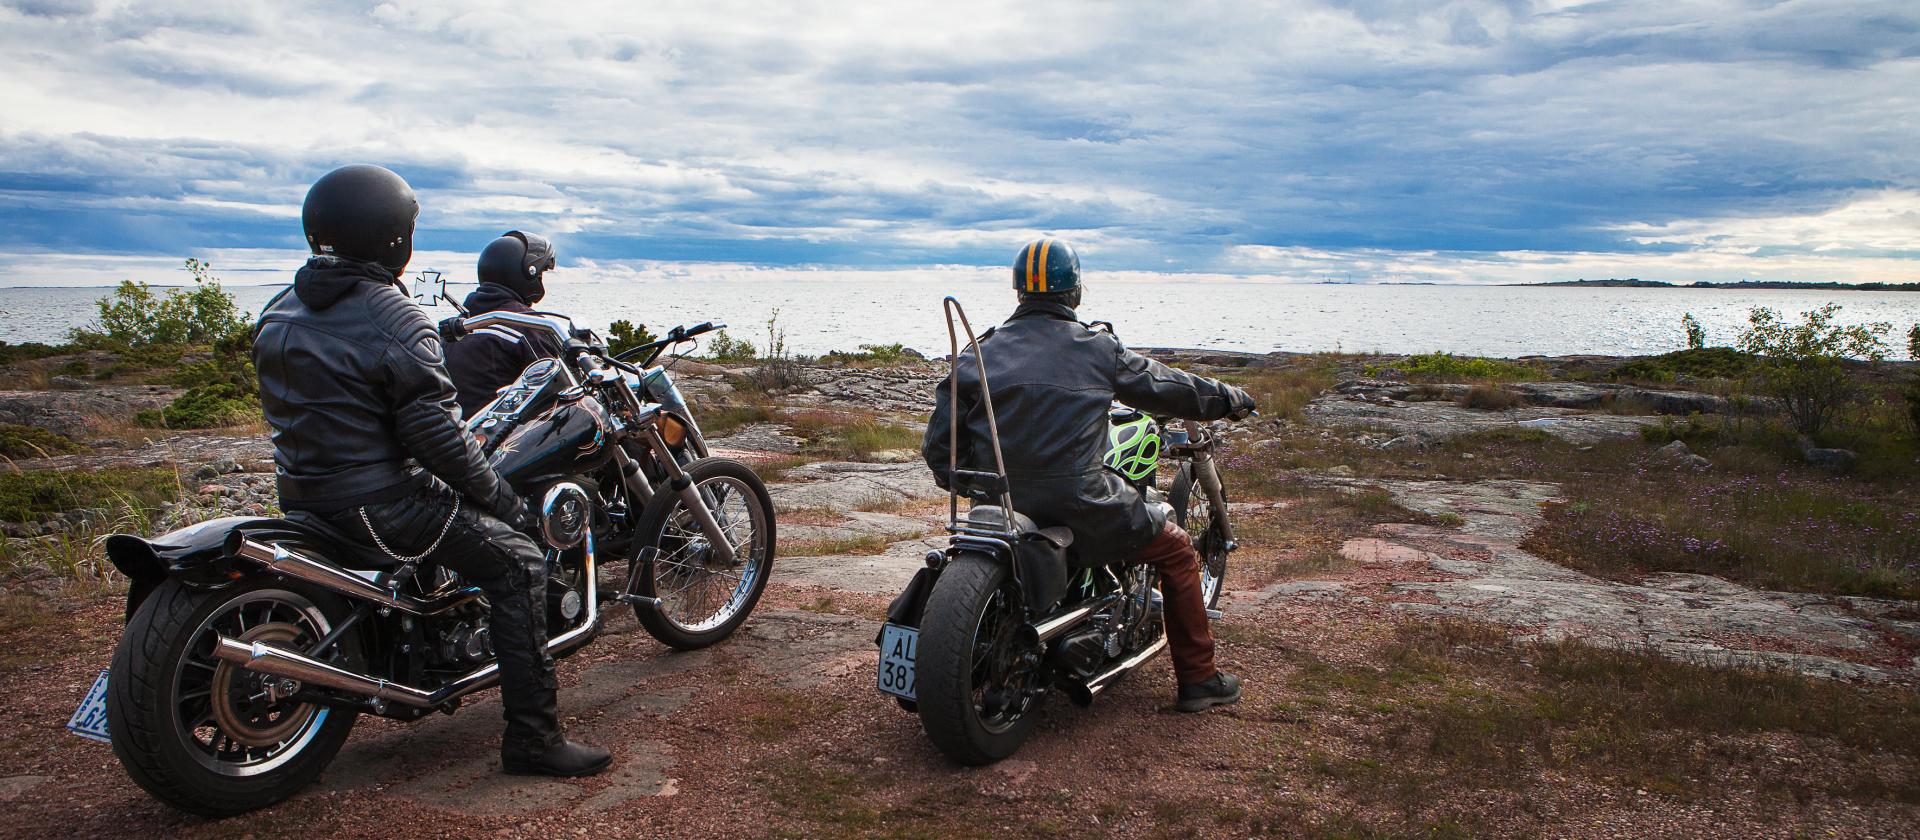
(1080, 652)
(466, 642)
(564, 604)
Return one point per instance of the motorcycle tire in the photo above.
(652, 531)
(160, 750)
(946, 670)
(1190, 503)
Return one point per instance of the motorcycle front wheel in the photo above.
(978, 686)
(203, 735)
(1194, 512)
(702, 599)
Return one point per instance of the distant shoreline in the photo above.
(1741, 285)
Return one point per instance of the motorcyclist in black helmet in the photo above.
(512, 272)
(1054, 380)
(366, 435)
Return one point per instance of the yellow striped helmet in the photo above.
(1046, 266)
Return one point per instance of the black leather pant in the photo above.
(505, 564)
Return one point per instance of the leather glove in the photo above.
(520, 517)
(1241, 403)
(450, 329)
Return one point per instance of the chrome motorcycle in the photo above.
(252, 644)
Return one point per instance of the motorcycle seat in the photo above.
(305, 531)
(994, 516)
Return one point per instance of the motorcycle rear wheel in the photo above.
(974, 677)
(200, 734)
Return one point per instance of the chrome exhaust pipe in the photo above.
(288, 664)
(288, 563)
(1082, 693)
(1038, 633)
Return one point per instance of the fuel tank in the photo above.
(570, 438)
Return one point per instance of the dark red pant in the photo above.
(1187, 633)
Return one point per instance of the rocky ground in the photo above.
(780, 732)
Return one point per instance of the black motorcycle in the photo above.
(253, 644)
(1007, 613)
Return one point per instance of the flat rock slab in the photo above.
(761, 437)
(883, 573)
(178, 449)
(1479, 571)
(1436, 421)
(848, 486)
(861, 523)
(72, 412)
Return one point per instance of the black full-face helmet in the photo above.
(361, 212)
(518, 261)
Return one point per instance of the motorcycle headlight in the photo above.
(565, 515)
(672, 430)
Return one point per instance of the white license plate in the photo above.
(90, 720)
(898, 647)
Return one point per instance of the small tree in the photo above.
(624, 335)
(133, 317)
(1803, 364)
(1696, 335)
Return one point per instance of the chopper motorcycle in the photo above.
(1008, 613)
(253, 644)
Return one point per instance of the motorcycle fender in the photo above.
(195, 554)
(912, 601)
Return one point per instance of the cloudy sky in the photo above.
(1371, 140)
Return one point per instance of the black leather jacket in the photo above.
(1054, 380)
(489, 358)
(354, 384)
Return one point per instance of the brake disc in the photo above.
(266, 719)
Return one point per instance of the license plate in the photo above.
(90, 720)
(898, 646)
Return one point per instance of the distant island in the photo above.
(1636, 283)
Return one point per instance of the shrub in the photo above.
(725, 348)
(18, 441)
(873, 354)
(624, 335)
(1804, 364)
(1700, 363)
(1491, 398)
(1696, 334)
(134, 317)
(37, 494)
(205, 407)
(29, 350)
(1446, 367)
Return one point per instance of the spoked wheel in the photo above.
(978, 685)
(1195, 512)
(702, 599)
(206, 736)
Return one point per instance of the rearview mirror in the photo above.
(429, 286)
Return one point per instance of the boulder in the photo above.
(1833, 459)
(1680, 455)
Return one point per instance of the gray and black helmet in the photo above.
(518, 261)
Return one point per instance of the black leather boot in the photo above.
(1222, 689)
(551, 757)
(533, 744)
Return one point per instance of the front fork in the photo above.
(682, 485)
(1208, 477)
